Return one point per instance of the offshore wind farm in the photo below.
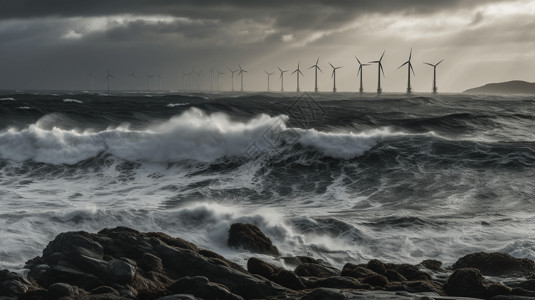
(267, 150)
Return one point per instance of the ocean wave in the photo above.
(72, 100)
(7, 99)
(193, 135)
(176, 104)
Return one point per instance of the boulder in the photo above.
(336, 282)
(121, 271)
(412, 273)
(377, 266)
(466, 283)
(495, 289)
(375, 280)
(104, 290)
(199, 286)
(276, 274)
(150, 263)
(59, 290)
(13, 284)
(356, 271)
(496, 264)
(249, 237)
(392, 275)
(325, 294)
(315, 270)
(432, 264)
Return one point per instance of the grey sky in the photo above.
(54, 44)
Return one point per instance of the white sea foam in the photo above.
(7, 99)
(72, 100)
(176, 104)
(193, 135)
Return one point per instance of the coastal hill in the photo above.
(509, 87)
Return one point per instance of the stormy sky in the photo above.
(54, 44)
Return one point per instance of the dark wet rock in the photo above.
(150, 263)
(72, 246)
(392, 275)
(356, 271)
(249, 237)
(527, 285)
(297, 260)
(432, 264)
(495, 289)
(13, 284)
(412, 273)
(199, 286)
(189, 263)
(315, 270)
(466, 283)
(377, 266)
(121, 271)
(58, 290)
(496, 264)
(104, 290)
(522, 292)
(325, 294)
(276, 274)
(178, 297)
(421, 286)
(336, 282)
(511, 297)
(375, 280)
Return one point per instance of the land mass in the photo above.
(123, 263)
(510, 87)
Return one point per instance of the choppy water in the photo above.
(338, 177)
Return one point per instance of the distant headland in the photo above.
(509, 87)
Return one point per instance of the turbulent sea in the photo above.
(338, 177)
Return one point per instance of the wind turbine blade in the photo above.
(403, 64)
(294, 71)
(320, 69)
(439, 62)
(381, 67)
(360, 69)
(374, 62)
(382, 56)
(301, 73)
(279, 69)
(410, 55)
(358, 60)
(429, 64)
(332, 74)
(412, 69)
(331, 65)
(317, 61)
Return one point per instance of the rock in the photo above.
(392, 275)
(297, 260)
(189, 263)
(356, 271)
(276, 274)
(466, 283)
(178, 297)
(199, 286)
(375, 280)
(324, 294)
(495, 289)
(249, 237)
(522, 292)
(336, 282)
(150, 263)
(432, 264)
(121, 271)
(13, 284)
(412, 273)
(527, 285)
(315, 270)
(421, 286)
(496, 264)
(104, 290)
(72, 246)
(58, 290)
(377, 266)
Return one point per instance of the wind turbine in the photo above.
(282, 78)
(380, 69)
(268, 74)
(90, 74)
(409, 69)
(232, 77)
(198, 80)
(218, 75)
(316, 68)
(361, 89)
(241, 75)
(333, 75)
(298, 71)
(133, 76)
(212, 80)
(434, 75)
(149, 77)
(108, 77)
(159, 76)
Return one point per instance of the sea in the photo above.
(339, 177)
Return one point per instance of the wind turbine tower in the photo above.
(434, 75)
(232, 77)
(268, 75)
(380, 69)
(198, 80)
(361, 89)
(219, 73)
(90, 74)
(297, 72)
(282, 78)
(409, 69)
(333, 75)
(108, 77)
(241, 75)
(159, 81)
(133, 76)
(316, 68)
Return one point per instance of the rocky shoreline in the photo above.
(122, 263)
